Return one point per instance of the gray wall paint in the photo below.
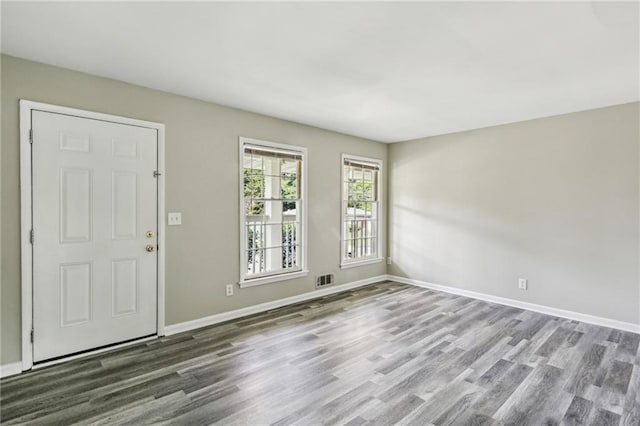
(553, 200)
(201, 182)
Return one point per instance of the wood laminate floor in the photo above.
(383, 354)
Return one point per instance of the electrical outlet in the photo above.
(388, 260)
(229, 289)
(174, 218)
(522, 283)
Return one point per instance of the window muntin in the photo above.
(272, 209)
(360, 209)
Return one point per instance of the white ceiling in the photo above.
(382, 71)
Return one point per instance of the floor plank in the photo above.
(383, 354)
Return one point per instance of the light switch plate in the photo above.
(174, 218)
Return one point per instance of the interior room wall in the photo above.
(553, 200)
(202, 255)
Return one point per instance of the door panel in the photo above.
(75, 205)
(75, 294)
(124, 286)
(94, 199)
(124, 205)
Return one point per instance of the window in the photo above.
(273, 212)
(360, 210)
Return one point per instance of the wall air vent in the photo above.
(324, 280)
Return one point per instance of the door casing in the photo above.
(26, 213)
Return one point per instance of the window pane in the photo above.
(253, 184)
(289, 167)
(266, 234)
(347, 210)
(272, 187)
(289, 186)
(370, 190)
(255, 261)
(366, 210)
(289, 232)
(373, 211)
(372, 228)
(291, 214)
(351, 184)
(253, 208)
(289, 245)
(273, 210)
(252, 162)
(277, 259)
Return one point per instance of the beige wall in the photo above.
(202, 182)
(553, 200)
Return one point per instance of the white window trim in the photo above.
(365, 261)
(252, 282)
(345, 263)
(244, 281)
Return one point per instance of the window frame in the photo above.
(346, 263)
(267, 278)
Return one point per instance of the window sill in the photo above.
(354, 264)
(252, 282)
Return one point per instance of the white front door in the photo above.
(95, 204)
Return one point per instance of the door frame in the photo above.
(26, 212)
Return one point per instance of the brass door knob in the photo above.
(150, 247)
(149, 234)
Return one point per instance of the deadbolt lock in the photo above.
(149, 234)
(150, 247)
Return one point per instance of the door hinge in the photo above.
(30, 135)
(156, 174)
(31, 236)
(32, 335)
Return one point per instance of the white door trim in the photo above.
(26, 215)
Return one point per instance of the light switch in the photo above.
(175, 218)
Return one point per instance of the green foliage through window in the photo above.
(359, 193)
(253, 188)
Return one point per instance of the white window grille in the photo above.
(272, 210)
(360, 210)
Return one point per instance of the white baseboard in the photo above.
(250, 310)
(591, 319)
(16, 367)
(12, 369)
